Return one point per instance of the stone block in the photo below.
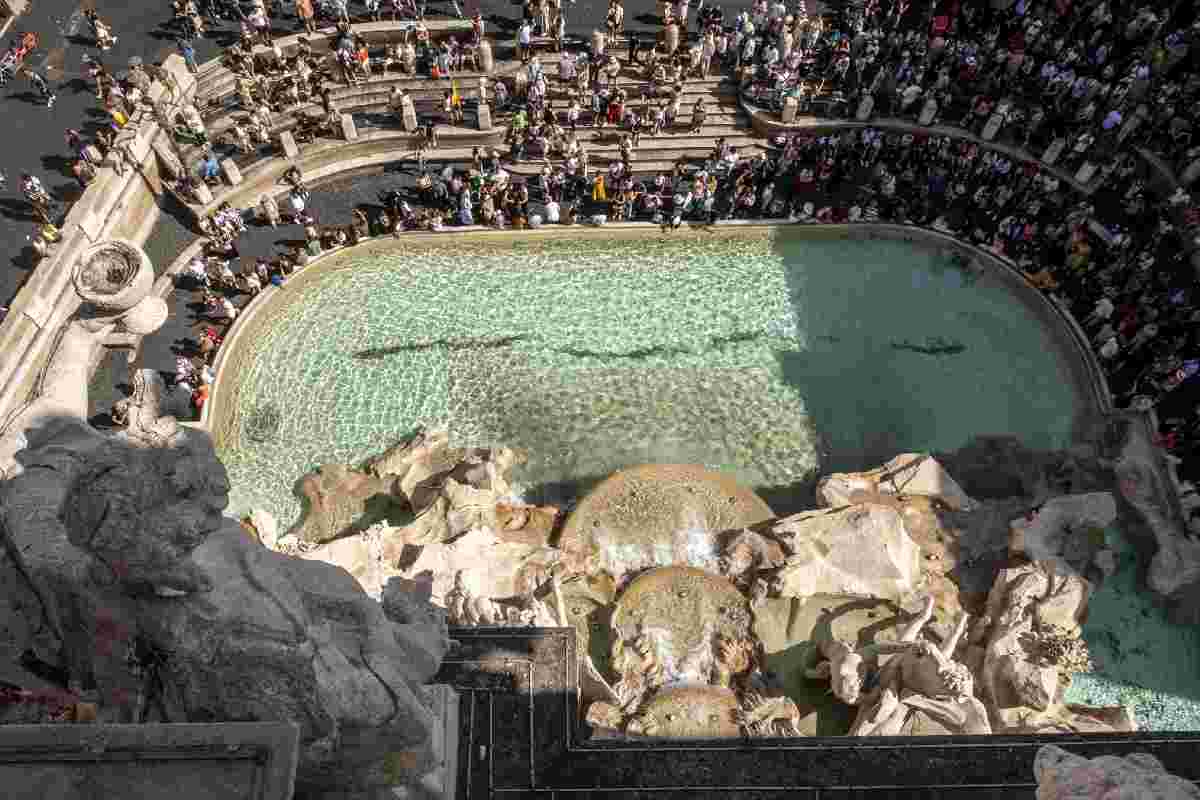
(408, 117)
(1085, 173)
(230, 169)
(1054, 151)
(187, 762)
(204, 195)
(487, 62)
(928, 112)
(790, 106)
(1191, 173)
(483, 117)
(349, 131)
(288, 142)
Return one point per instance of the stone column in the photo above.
(487, 62)
(349, 130)
(599, 41)
(483, 117)
(790, 106)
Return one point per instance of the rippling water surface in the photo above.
(772, 357)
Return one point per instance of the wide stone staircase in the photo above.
(367, 103)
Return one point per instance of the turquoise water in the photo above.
(774, 358)
(1141, 660)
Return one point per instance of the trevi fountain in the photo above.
(898, 606)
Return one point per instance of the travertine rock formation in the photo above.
(861, 549)
(166, 610)
(1141, 776)
(657, 515)
(906, 474)
(1067, 530)
(1027, 645)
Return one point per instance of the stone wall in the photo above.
(114, 205)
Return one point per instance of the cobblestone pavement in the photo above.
(33, 139)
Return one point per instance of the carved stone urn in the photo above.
(115, 277)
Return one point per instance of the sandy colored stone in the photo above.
(681, 609)
(659, 514)
(1064, 776)
(906, 474)
(859, 550)
(688, 712)
(491, 568)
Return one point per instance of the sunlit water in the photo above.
(773, 357)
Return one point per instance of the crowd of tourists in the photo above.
(982, 118)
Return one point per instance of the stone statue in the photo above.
(106, 531)
(923, 690)
(848, 667)
(141, 413)
(1027, 646)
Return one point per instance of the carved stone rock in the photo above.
(906, 474)
(127, 546)
(658, 514)
(1068, 530)
(862, 549)
(1064, 776)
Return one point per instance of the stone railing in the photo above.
(121, 203)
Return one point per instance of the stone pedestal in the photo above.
(599, 41)
(229, 169)
(671, 38)
(1085, 173)
(790, 106)
(349, 131)
(928, 112)
(203, 194)
(487, 62)
(483, 117)
(288, 143)
(408, 115)
(1054, 151)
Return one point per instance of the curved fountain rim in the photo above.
(1098, 396)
